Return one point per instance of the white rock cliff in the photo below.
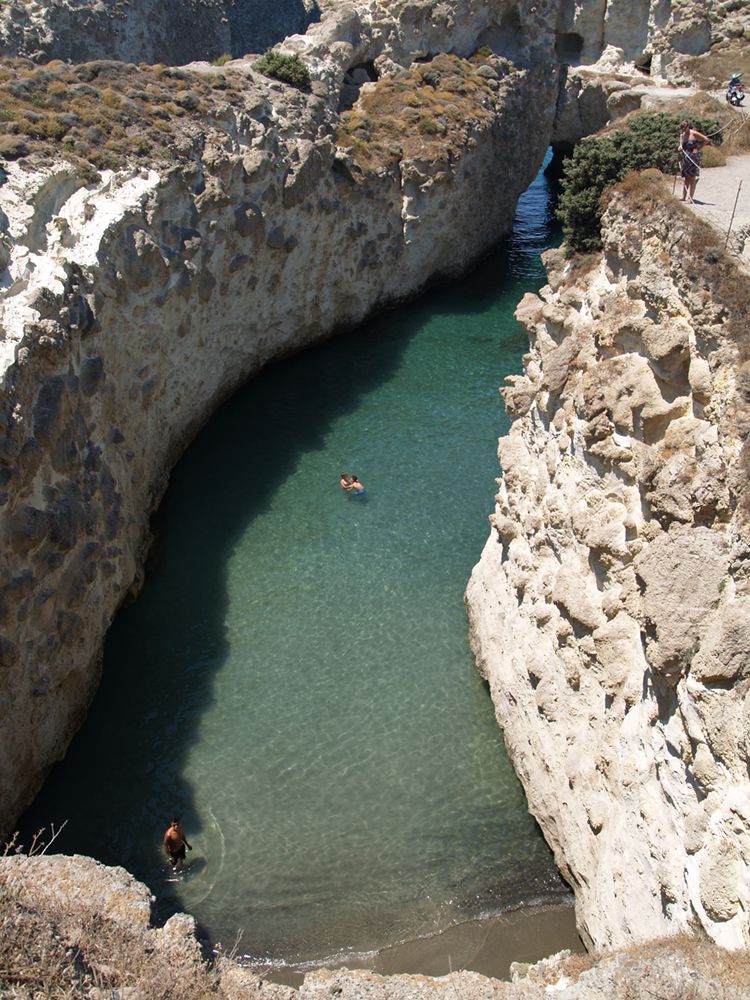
(610, 610)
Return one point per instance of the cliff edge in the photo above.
(610, 609)
(74, 928)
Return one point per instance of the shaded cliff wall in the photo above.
(180, 31)
(152, 31)
(132, 307)
(610, 607)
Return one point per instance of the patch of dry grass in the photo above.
(706, 265)
(66, 951)
(710, 963)
(422, 113)
(662, 969)
(713, 70)
(103, 114)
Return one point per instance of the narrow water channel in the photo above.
(294, 680)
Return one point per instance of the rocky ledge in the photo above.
(610, 610)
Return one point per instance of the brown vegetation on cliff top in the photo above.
(104, 114)
(70, 951)
(710, 271)
(423, 113)
(712, 70)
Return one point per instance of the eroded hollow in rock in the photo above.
(354, 77)
(505, 39)
(569, 47)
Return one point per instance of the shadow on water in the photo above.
(124, 772)
(250, 447)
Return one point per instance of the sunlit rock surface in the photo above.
(609, 609)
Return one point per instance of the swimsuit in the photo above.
(690, 158)
(176, 854)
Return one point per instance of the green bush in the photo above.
(289, 69)
(597, 163)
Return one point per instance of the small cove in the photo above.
(294, 680)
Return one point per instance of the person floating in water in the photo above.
(345, 482)
(175, 842)
(356, 487)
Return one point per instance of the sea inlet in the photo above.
(294, 680)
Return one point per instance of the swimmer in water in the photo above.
(345, 482)
(175, 843)
(356, 487)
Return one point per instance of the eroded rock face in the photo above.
(609, 609)
(180, 31)
(133, 306)
(153, 31)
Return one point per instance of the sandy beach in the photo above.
(487, 946)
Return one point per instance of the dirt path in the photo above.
(717, 192)
(720, 192)
(725, 190)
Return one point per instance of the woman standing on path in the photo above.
(691, 143)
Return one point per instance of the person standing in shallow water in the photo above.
(175, 842)
(345, 481)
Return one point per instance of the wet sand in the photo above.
(487, 946)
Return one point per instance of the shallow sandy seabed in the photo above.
(487, 946)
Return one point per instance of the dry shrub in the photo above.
(714, 156)
(12, 147)
(54, 107)
(737, 139)
(110, 98)
(644, 189)
(63, 951)
(712, 70)
(408, 107)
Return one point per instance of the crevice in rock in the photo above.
(643, 63)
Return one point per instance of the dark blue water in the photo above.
(295, 679)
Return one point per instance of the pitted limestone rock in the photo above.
(608, 610)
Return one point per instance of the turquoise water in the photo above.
(294, 680)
